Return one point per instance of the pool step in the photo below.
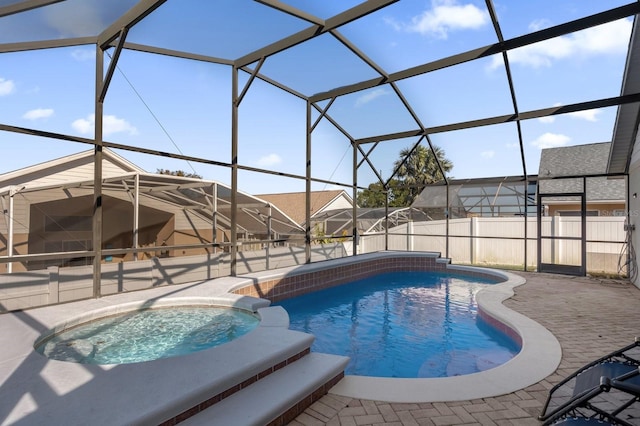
(281, 395)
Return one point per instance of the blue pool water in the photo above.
(403, 324)
(148, 334)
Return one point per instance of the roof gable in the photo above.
(75, 167)
(577, 160)
(293, 204)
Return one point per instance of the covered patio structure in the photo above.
(130, 34)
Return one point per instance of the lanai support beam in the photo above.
(319, 28)
(234, 171)
(12, 193)
(128, 20)
(507, 67)
(136, 216)
(355, 237)
(97, 176)
(489, 50)
(307, 198)
(112, 65)
(24, 6)
(269, 231)
(214, 217)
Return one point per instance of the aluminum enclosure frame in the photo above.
(114, 37)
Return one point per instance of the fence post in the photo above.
(473, 230)
(557, 231)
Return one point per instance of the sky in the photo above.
(183, 106)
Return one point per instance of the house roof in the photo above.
(36, 173)
(195, 195)
(625, 131)
(579, 160)
(294, 203)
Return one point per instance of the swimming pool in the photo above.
(160, 384)
(148, 334)
(403, 324)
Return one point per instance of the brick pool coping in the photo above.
(301, 280)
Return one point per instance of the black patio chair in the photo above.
(604, 391)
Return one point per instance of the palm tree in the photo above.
(418, 168)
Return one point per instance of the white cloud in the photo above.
(487, 154)
(589, 114)
(541, 54)
(446, 16)
(84, 126)
(370, 96)
(38, 113)
(512, 145)
(539, 24)
(75, 19)
(269, 160)
(393, 23)
(82, 55)
(551, 140)
(110, 124)
(610, 38)
(549, 118)
(113, 124)
(6, 86)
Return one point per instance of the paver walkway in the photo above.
(590, 317)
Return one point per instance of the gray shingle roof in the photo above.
(579, 160)
(293, 204)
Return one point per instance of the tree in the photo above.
(373, 196)
(178, 173)
(417, 169)
(413, 174)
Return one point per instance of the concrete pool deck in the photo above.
(35, 389)
(590, 317)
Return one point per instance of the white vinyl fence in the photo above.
(497, 242)
(500, 241)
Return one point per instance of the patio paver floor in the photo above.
(589, 316)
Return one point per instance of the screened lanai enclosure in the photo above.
(134, 132)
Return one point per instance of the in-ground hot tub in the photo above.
(121, 336)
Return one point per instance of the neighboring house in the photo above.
(512, 196)
(293, 204)
(484, 197)
(605, 196)
(48, 208)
